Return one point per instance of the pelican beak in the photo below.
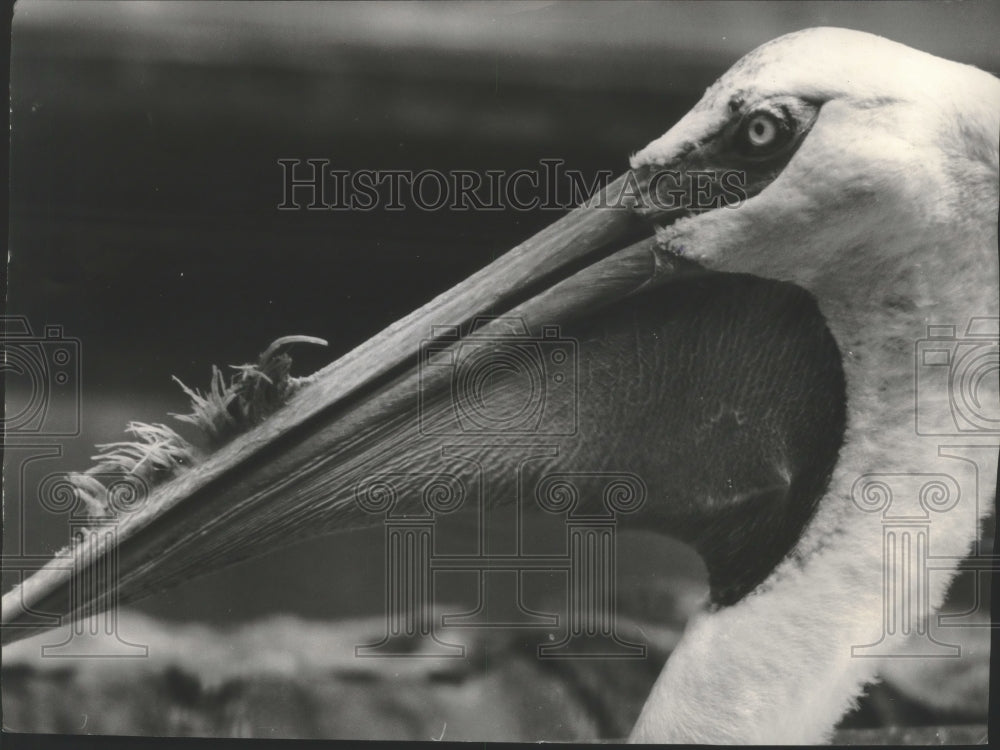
(293, 475)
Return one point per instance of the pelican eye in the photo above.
(762, 132)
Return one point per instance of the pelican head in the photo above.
(869, 172)
(863, 157)
(872, 182)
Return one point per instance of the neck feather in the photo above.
(757, 666)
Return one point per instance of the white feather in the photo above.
(887, 214)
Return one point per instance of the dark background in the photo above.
(144, 186)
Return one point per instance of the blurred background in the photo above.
(145, 139)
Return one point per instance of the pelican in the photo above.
(751, 363)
